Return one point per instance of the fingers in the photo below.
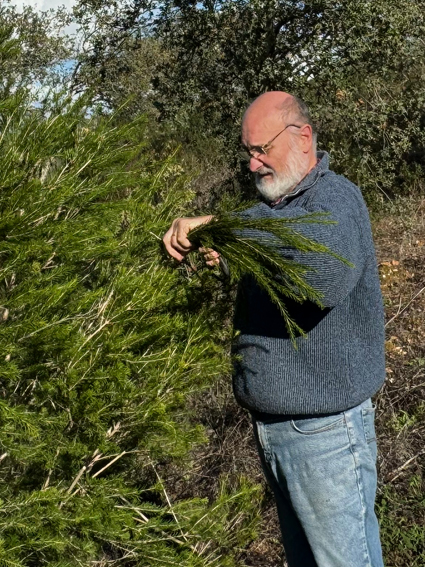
(179, 236)
(169, 241)
(211, 257)
(175, 239)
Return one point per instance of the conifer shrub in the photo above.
(102, 342)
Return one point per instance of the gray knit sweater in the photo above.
(341, 362)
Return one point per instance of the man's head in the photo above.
(278, 133)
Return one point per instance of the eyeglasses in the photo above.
(254, 151)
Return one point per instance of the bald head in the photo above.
(269, 103)
(278, 106)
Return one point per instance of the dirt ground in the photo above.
(399, 232)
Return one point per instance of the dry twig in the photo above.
(395, 474)
(405, 307)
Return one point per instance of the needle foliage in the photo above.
(254, 247)
(102, 344)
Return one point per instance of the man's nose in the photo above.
(254, 164)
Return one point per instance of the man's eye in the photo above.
(254, 151)
(244, 155)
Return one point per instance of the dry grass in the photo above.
(400, 243)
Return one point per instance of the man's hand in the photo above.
(211, 257)
(176, 242)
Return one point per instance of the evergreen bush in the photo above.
(102, 342)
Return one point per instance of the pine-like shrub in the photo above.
(102, 341)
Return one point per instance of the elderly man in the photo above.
(312, 414)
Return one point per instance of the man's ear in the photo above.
(306, 138)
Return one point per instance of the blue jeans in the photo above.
(322, 471)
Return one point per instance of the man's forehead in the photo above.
(256, 127)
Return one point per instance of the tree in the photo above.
(40, 48)
(102, 342)
(357, 64)
(115, 58)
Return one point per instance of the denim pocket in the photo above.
(314, 425)
(368, 417)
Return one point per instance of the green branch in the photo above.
(254, 247)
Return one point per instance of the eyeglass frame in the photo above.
(262, 150)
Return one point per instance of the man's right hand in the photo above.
(175, 239)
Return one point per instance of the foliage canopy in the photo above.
(359, 66)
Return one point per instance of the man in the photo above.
(312, 414)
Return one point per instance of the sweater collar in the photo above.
(321, 167)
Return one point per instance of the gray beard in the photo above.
(282, 183)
